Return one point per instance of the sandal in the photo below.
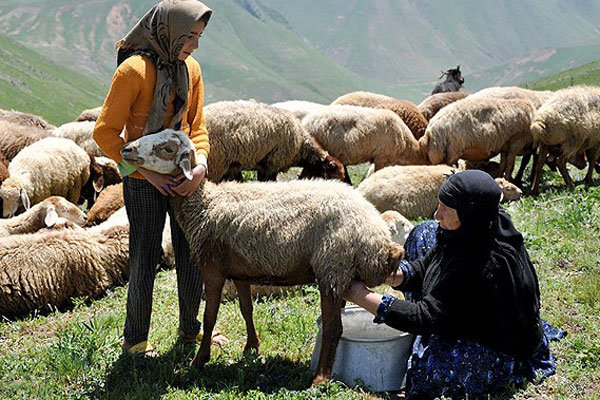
(140, 349)
(217, 338)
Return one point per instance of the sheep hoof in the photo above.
(319, 379)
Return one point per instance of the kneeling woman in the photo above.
(475, 299)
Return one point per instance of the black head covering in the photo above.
(507, 274)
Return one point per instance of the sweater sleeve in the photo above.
(197, 121)
(123, 92)
(414, 273)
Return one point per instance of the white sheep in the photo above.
(413, 190)
(54, 210)
(356, 135)
(479, 129)
(91, 114)
(537, 98)
(51, 166)
(567, 124)
(251, 135)
(299, 108)
(280, 233)
(81, 133)
(398, 224)
(15, 137)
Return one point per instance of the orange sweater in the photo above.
(129, 102)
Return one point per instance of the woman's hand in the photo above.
(164, 183)
(186, 187)
(396, 278)
(360, 295)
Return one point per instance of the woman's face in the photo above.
(447, 217)
(191, 43)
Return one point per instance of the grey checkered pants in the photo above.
(147, 210)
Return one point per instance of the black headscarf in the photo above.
(508, 276)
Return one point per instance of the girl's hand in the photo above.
(164, 183)
(186, 187)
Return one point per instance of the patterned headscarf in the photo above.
(161, 34)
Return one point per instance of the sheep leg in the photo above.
(264, 176)
(539, 166)
(347, 178)
(244, 291)
(510, 165)
(213, 285)
(562, 167)
(332, 331)
(592, 157)
(524, 161)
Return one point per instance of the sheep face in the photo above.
(13, 197)
(167, 152)
(399, 226)
(329, 168)
(59, 208)
(510, 192)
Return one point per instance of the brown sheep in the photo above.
(25, 119)
(108, 202)
(103, 172)
(407, 111)
(89, 115)
(15, 137)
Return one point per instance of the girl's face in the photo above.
(447, 217)
(191, 43)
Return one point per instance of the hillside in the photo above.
(588, 74)
(32, 83)
(275, 50)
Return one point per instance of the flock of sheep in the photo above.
(50, 251)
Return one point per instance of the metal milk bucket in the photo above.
(368, 353)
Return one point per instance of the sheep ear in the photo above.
(51, 216)
(98, 183)
(25, 199)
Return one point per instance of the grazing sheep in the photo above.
(25, 119)
(453, 83)
(15, 137)
(45, 270)
(477, 130)
(51, 166)
(89, 115)
(537, 98)
(356, 135)
(407, 111)
(50, 212)
(250, 135)
(298, 107)
(568, 123)
(413, 190)
(279, 233)
(108, 202)
(434, 103)
(81, 133)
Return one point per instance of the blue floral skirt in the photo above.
(461, 368)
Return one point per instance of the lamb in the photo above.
(407, 111)
(434, 103)
(81, 133)
(54, 210)
(279, 233)
(51, 166)
(250, 135)
(567, 124)
(298, 107)
(477, 130)
(108, 202)
(356, 135)
(25, 119)
(89, 115)
(43, 270)
(413, 190)
(15, 137)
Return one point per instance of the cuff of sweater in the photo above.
(386, 301)
(407, 273)
(126, 169)
(201, 159)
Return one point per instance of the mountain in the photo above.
(33, 83)
(274, 50)
(588, 74)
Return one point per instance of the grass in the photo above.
(75, 353)
(588, 74)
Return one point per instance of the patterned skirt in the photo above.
(460, 368)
